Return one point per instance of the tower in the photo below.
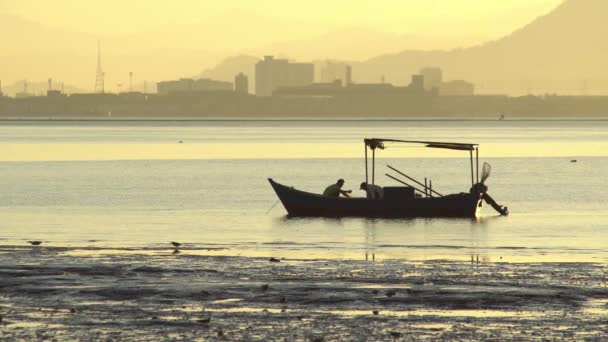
(241, 84)
(99, 80)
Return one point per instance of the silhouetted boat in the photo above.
(301, 204)
(398, 202)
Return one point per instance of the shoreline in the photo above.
(305, 120)
(250, 298)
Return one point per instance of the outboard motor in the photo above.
(481, 190)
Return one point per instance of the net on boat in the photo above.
(485, 172)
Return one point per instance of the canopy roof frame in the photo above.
(378, 143)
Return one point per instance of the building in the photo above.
(457, 88)
(417, 83)
(271, 73)
(241, 84)
(54, 93)
(333, 71)
(300, 74)
(433, 78)
(191, 85)
(349, 75)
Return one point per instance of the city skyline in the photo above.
(193, 50)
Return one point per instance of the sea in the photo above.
(132, 186)
(105, 199)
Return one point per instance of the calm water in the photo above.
(131, 187)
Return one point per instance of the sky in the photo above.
(438, 17)
(160, 39)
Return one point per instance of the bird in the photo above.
(376, 312)
(574, 161)
(274, 260)
(175, 244)
(35, 243)
(391, 293)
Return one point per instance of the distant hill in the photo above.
(558, 51)
(230, 67)
(565, 51)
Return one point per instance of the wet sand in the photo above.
(54, 293)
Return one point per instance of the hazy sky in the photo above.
(443, 17)
(162, 39)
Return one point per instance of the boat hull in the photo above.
(304, 204)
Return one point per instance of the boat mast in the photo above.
(373, 166)
(477, 162)
(472, 170)
(366, 168)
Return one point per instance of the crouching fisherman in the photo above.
(482, 190)
(373, 191)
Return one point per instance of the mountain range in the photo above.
(565, 51)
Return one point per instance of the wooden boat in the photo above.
(302, 204)
(411, 201)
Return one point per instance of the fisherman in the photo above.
(373, 191)
(335, 190)
(481, 189)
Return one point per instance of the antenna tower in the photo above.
(99, 80)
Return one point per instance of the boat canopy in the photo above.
(378, 143)
(375, 143)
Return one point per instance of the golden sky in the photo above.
(159, 40)
(444, 17)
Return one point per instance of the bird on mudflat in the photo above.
(391, 293)
(274, 260)
(35, 243)
(175, 244)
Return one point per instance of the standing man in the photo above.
(335, 190)
(373, 191)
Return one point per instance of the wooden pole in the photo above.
(373, 166)
(404, 183)
(366, 167)
(477, 162)
(426, 187)
(472, 172)
(412, 179)
(431, 188)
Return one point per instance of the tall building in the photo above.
(241, 84)
(271, 73)
(457, 88)
(300, 74)
(433, 78)
(333, 71)
(349, 76)
(417, 82)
